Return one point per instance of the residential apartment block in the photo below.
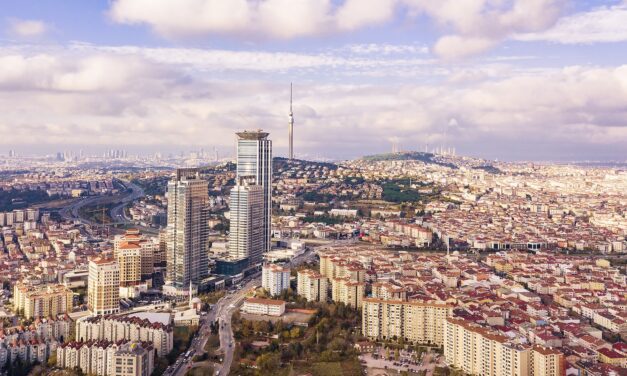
(275, 278)
(312, 285)
(42, 300)
(118, 328)
(107, 358)
(413, 321)
(479, 351)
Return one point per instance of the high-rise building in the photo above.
(187, 232)
(147, 247)
(246, 236)
(128, 257)
(291, 128)
(275, 278)
(161, 251)
(348, 292)
(103, 286)
(254, 158)
(312, 286)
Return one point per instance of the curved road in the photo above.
(72, 212)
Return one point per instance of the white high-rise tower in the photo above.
(291, 127)
(246, 233)
(254, 159)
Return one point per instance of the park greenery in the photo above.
(395, 191)
(324, 347)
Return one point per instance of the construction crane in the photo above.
(102, 210)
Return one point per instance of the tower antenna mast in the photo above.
(291, 128)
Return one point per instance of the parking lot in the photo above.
(409, 361)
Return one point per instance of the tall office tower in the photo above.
(291, 127)
(246, 236)
(103, 286)
(187, 232)
(254, 158)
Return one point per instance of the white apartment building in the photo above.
(275, 278)
(268, 307)
(106, 358)
(119, 328)
(312, 285)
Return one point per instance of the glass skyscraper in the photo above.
(254, 159)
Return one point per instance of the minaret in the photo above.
(291, 127)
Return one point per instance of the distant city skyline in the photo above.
(546, 81)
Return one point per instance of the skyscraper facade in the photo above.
(246, 236)
(187, 231)
(254, 159)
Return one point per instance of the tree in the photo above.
(295, 332)
(52, 359)
(268, 363)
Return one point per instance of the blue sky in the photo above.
(506, 79)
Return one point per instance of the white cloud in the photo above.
(93, 95)
(92, 73)
(367, 59)
(476, 26)
(470, 26)
(456, 46)
(254, 19)
(387, 49)
(600, 25)
(27, 28)
(356, 14)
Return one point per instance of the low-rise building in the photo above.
(267, 307)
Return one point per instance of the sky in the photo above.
(497, 79)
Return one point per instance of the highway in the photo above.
(72, 212)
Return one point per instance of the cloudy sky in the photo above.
(506, 79)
